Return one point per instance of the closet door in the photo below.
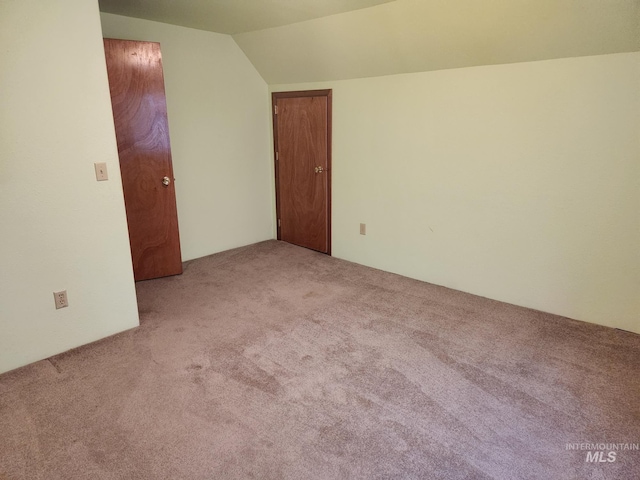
(302, 142)
(139, 107)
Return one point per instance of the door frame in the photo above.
(296, 94)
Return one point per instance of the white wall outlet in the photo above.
(101, 171)
(363, 229)
(61, 299)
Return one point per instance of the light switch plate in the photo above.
(101, 171)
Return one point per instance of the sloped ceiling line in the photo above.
(232, 16)
(300, 41)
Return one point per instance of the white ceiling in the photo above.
(298, 41)
(409, 36)
(232, 16)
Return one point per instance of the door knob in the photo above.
(319, 169)
(166, 181)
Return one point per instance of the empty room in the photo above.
(320, 239)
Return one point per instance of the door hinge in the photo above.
(275, 109)
(278, 223)
(277, 156)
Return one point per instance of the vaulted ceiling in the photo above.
(232, 16)
(294, 41)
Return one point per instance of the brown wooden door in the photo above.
(302, 141)
(136, 82)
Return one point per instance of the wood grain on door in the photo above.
(136, 83)
(302, 139)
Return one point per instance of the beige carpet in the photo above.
(276, 362)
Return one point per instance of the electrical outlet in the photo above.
(61, 299)
(101, 171)
(363, 229)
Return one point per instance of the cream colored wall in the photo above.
(516, 182)
(61, 229)
(218, 110)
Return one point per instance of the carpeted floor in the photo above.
(276, 362)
